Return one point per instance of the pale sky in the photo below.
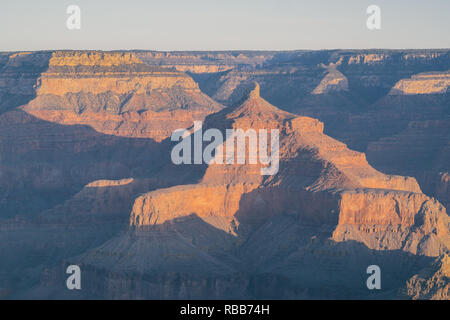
(223, 25)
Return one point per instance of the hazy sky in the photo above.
(223, 25)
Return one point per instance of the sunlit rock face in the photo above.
(425, 83)
(115, 93)
(333, 82)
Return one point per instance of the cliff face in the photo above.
(435, 83)
(115, 93)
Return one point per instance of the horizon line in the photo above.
(228, 50)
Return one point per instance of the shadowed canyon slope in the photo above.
(86, 175)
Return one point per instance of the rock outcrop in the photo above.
(431, 283)
(115, 93)
(425, 83)
(334, 81)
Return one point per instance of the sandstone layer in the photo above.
(434, 83)
(115, 93)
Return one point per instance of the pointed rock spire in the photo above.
(254, 92)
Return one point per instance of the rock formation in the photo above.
(115, 93)
(432, 282)
(236, 227)
(334, 81)
(425, 83)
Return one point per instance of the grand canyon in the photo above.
(86, 176)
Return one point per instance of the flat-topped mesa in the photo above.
(93, 58)
(101, 72)
(369, 58)
(423, 83)
(379, 58)
(218, 204)
(116, 93)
